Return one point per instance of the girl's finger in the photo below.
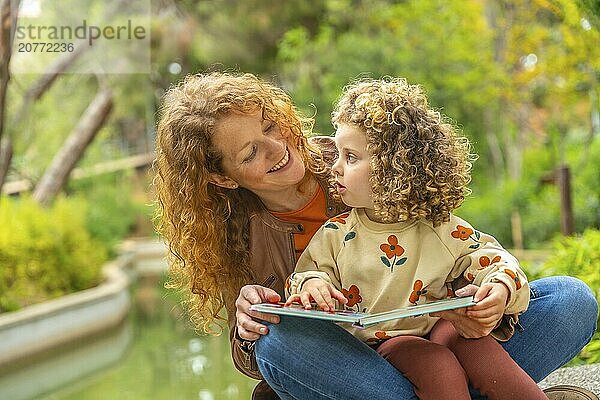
(481, 318)
(305, 300)
(339, 296)
(328, 300)
(320, 300)
(295, 298)
(482, 293)
(486, 312)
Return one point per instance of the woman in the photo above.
(241, 191)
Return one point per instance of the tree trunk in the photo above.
(39, 87)
(8, 22)
(6, 152)
(495, 150)
(57, 174)
(494, 120)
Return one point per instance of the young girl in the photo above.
(404, 170)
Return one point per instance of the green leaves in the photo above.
(45, 253)
(579, 257)
(386, 262)
(395, 262)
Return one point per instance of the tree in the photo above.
(66, 158)
(8, 20)
(96, 113)
(444, 46)
(507, 70)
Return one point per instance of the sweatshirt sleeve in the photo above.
(480, 259)
(319, 259)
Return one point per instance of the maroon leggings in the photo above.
(443, 366)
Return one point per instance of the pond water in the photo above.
(164, 358)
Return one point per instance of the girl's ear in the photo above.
(223, 181)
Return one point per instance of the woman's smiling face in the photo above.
(257, 154)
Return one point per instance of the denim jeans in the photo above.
(303, 358)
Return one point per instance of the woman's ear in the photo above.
(223, 181)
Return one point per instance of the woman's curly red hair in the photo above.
(206, 226)
(420, 166)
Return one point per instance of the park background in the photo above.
(520, 77)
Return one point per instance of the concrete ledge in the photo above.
(67, 364)
(45, 326)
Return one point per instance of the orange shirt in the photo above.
(311, 216)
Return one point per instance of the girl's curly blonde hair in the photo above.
(420, 166)
(206, 226)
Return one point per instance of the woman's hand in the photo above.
(321, 292)
(481, 319)
(247, 326)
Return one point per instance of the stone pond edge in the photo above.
(42, 327)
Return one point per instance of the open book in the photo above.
(361, 320)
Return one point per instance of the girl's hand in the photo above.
(491, 299)
(247, 326)
(321, 292)
(481, 319)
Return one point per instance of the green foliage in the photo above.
(489, 213)
(505, 72)
(536, 197)
(45, 253)
(380, 38)
(584, 158)
(47, 124)
(579, 257)
(111, 212)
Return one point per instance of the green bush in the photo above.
(45, 252)
(536, 198)
(579, 257)
(485, 211)
(111, 212)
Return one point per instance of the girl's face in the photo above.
(256, 154)
(352, 168)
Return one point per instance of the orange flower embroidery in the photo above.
(382, 335)
(391, 248)
(462, 232)
(392, 251)
(379, 336)
(353, 295)
(417, 292)
(484, 261)
(514, 276)
(340, 218)
(470, 277)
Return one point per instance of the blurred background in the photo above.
(520, 77)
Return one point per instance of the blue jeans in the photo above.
(311, 359)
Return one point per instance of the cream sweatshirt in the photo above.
(381, 267)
